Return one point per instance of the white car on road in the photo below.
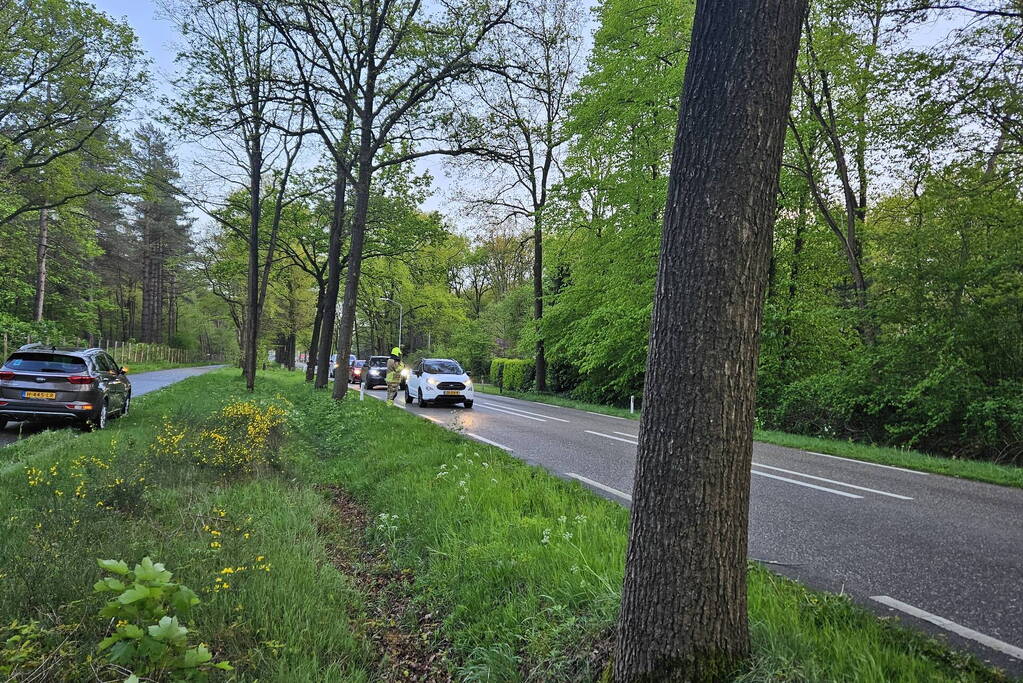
(439, 380)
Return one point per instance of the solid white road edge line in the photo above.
(600, 486)
(864, 462)
(832, 481)
(958, 629)
(631, 436)
(616, 438)
(508, 412)
(809, 486)
(519, 410)
(488, 441)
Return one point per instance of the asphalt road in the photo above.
(943, 554)
(141, 384)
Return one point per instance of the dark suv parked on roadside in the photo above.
(84, 386)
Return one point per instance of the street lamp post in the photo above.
(401, 313)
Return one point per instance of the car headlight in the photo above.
(432, 381)
(468, 383)
(405, 372)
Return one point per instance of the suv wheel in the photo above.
(97, 422)
(101, 420)
(3, 422)
(422, 402)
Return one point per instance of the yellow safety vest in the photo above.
(394, 368)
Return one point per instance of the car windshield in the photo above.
(44, 362)
(443, 367)
(359, 363)
(378, 361)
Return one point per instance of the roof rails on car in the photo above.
(34, 345)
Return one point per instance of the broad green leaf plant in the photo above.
(145, 612)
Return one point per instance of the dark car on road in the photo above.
(81, 386)
(374, 372)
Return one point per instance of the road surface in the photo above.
(943, 554)
(141, 384)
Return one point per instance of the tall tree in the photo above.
(161, 226)
(67, 73)
(386, 64)
(228, 94)
(524, 107)
(683, 614)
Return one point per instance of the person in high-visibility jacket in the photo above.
(393, 377)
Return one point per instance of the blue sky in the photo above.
(155, 35)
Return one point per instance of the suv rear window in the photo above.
(45, 362)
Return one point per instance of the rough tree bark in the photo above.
(329, 304)
(314, 343)
(362, 191)
(251, 340)
(42, 250)
(683, 615)
(540, 366)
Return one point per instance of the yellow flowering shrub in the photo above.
(240, 437)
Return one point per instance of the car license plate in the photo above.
(452, 393)
(39, 394)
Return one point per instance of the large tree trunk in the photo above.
(541, 361)
(310, 365)
(42, 249)
(252, 281)
(365, 180)
(683, 614)
(333, 279)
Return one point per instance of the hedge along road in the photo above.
(942, 554)
(141, 384)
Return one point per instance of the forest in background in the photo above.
(894, 311)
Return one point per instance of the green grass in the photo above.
(301, 621)
(518, 607)
(976, 470)
(522, 568)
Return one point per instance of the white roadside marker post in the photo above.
(632, 405)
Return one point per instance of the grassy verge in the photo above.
(526, 568)
(514, 573)
(250, 544)
(1005, 475)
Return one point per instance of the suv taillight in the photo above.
(80, 379)
(6, 374)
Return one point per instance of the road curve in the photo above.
(141, 384)
(943, 554)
